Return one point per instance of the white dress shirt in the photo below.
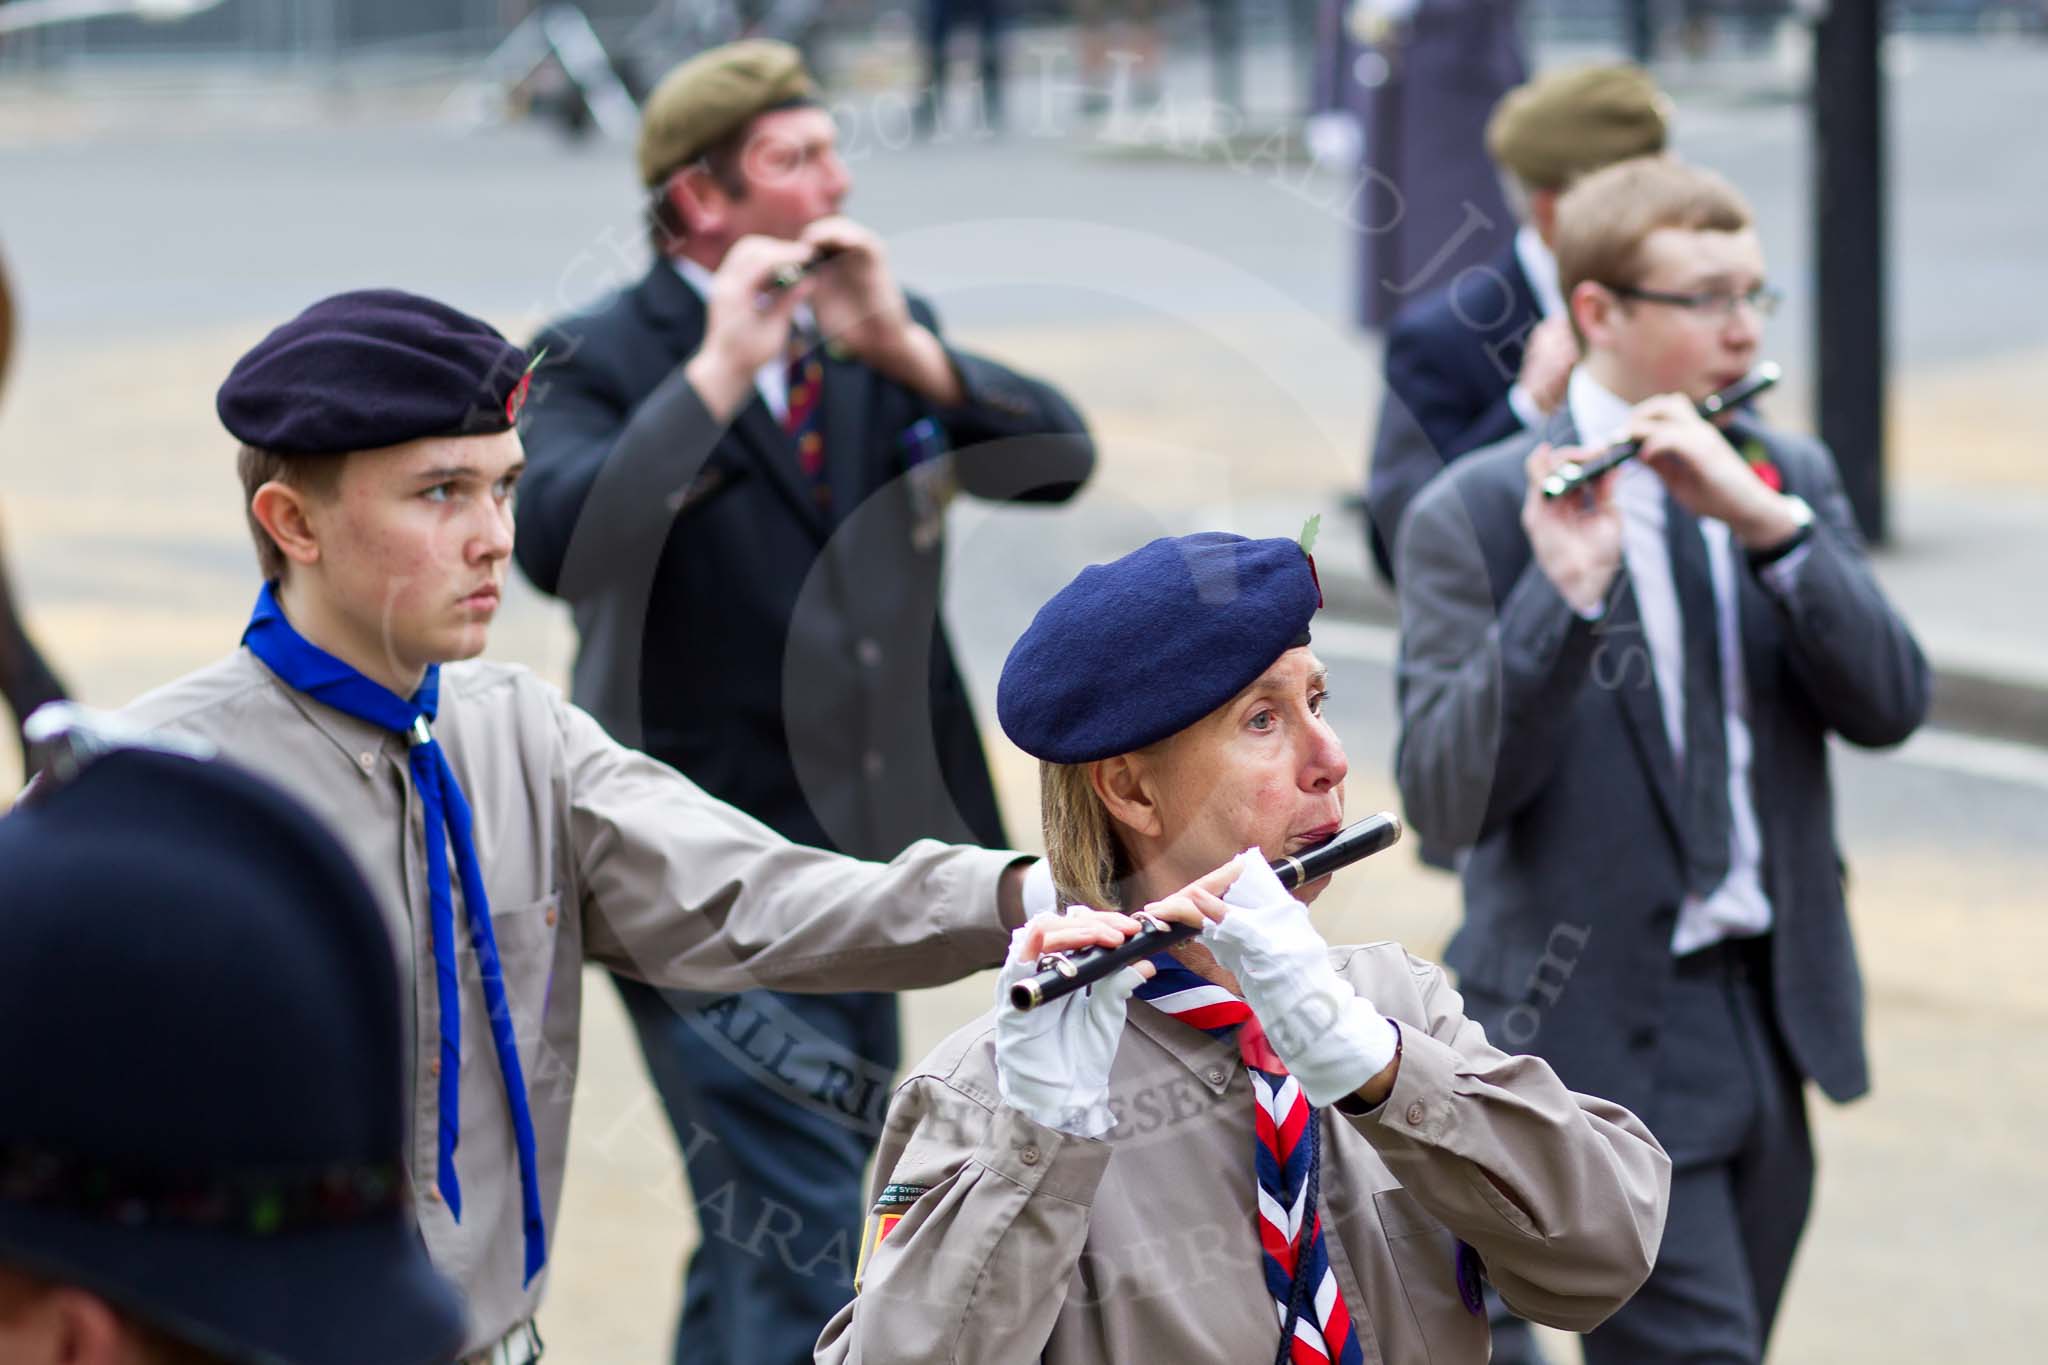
(1737, 908)
(772, 379)
(1540, 266)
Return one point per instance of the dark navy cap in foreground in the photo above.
(202, 1070)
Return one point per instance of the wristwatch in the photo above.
(1801, 513)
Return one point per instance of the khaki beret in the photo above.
(1563, 124)
(712, 94)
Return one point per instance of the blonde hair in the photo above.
(1087, 859)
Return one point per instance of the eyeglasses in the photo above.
(1719, 304)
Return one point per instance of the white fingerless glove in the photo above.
(1052, 1063)
(1331, 1038)
(1037, 892)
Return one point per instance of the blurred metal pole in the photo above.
(1849, 250)
(1642, 30)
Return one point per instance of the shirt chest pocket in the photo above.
(1425, 1257)
(525, 933)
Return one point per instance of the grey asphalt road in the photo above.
(243, 212)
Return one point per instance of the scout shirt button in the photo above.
(1029, 1156)
(1215, 1076)
(367, 760)
(1415, 1114)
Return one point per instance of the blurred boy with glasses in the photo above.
(1618, 704)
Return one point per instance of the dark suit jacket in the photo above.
(1534, 738)
(1451, 358)
(789, 660)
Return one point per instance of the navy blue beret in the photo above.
(1143, 647)
(372, 368)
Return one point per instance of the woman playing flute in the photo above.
(1255, 1146)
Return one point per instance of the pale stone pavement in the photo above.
(123, 524)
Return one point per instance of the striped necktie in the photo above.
(804, 417)
(1314, 1320)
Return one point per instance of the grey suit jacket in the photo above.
(1532, 737)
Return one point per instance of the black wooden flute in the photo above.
(787, 277)
(1063, 973)
(1573, 475)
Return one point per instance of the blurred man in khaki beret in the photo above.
(739, 469)
(1488, 354)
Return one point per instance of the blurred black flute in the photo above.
(787, 277)
(1064, 973)
(1572, 475)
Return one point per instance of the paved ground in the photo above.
(1195, 311)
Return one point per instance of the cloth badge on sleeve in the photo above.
(878, 1226)
(900, 1196)
(890, 1206)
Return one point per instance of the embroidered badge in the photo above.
(516, 400)
(899, 1195)
(878, 1226)
(1471, 1280)
(890, 1205)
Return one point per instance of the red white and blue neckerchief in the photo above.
(1315, 1322)
(305, 667)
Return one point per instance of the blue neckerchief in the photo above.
(312, 670)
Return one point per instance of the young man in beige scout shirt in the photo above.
(507, 838)
(1277, 1141)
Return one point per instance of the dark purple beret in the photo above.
(372, 368)
(1143, 647)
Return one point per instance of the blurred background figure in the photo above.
(1488, 352)
(1124, 35)
(25, 679)
(940, 16)
(201, 1073)
(678, 29)
(1647, 682)
(1404, 88)
(778, 641)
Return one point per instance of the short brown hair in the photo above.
(666, 229)
(317, 476)
(1604, 219)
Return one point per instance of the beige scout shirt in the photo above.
(588, 851)
(1019, 1243)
